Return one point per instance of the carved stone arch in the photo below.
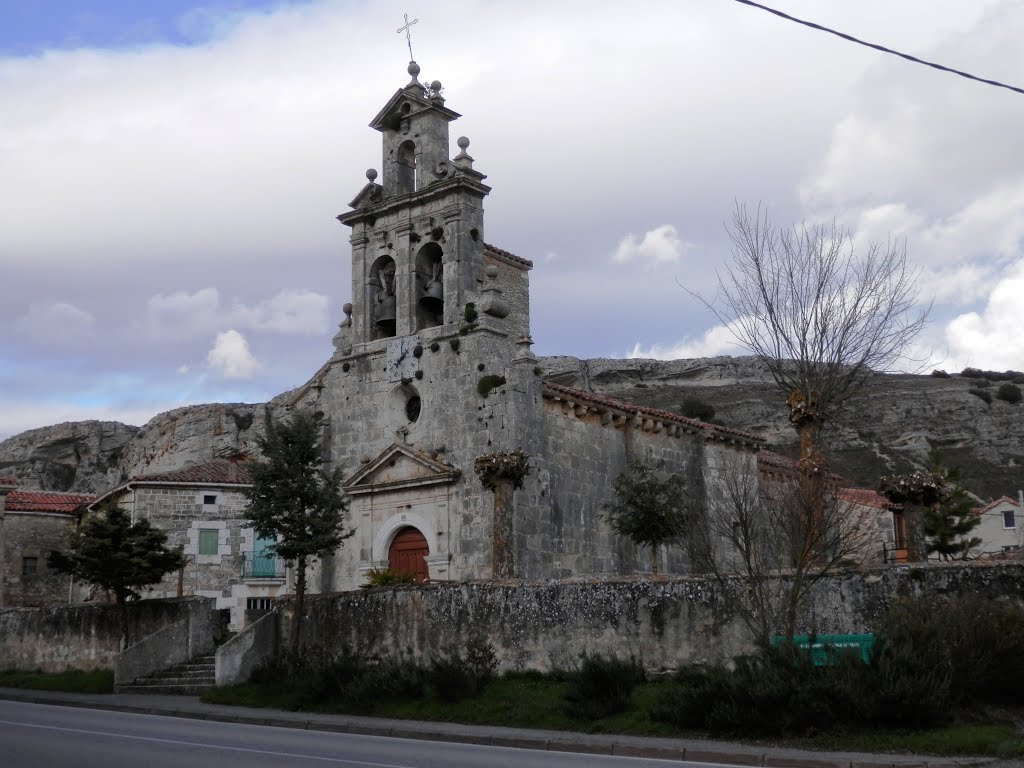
(430, 298)
(405, 168)
(381, 297)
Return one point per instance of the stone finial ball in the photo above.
(347, 309)
(463, 142)
(491, 271)
(414, 68)
(371, 173)
(435, 85)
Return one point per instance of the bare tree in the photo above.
(822, 316)
(768, 543)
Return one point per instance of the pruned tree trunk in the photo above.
(502, 545)
(300, 603)
(654, 559)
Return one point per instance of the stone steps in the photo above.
(191, 678)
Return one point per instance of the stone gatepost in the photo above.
(917, 542)
(916, 491)
(502, 473)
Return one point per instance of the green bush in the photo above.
(695, 408)
(776, 692)
(977, 643)
(454, 677)
(1009, 392)
(940, 374)
(489, 382)
(977, 373)
(602, 686)
(385, 577)
(981, 393)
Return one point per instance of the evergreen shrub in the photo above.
(1009, 392)
(981, 393)
(602, 686)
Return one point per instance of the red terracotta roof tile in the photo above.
(46, 501)
(508, 255)
(216, 471)
(627, 407)
(993, 504)
(865, 497)
(766, 458)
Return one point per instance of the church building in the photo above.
(461, 461)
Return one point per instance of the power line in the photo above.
(881, 48)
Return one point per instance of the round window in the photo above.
(405, 406)
(412, 408)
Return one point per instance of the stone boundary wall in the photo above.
(174, 644)
(84, 637)
(240, 656)
(664, 623)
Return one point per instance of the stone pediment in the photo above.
(399, 466)
(392, 113)
(369, 195)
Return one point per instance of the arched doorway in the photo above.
(408, 553)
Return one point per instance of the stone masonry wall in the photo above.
(28, 538)
(84, 637)
(561, 512)
(181, 512)
(456, 424)
(663, 623)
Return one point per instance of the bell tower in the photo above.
(417, 236)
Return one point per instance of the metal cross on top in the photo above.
(408, 33)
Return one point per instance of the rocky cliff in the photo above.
(890, 427)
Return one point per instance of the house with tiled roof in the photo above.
(1001, 529)
(892, 527)
(203, 509)
(32, 524)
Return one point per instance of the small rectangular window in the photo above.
(1009, 520)
(208, 541)
(210, 498)
(29, 566)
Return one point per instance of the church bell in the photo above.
(432, 299)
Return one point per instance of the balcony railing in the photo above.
(262, 566)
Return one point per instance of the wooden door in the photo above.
(408, 553)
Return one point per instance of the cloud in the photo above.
(231, 358)
(207, 175)
(286, 312)
(716, 341)
(994, 337)
(56, 323)
(660, 245)
(198, 313)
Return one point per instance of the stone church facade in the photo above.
(432, 370)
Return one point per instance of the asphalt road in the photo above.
(48, 736)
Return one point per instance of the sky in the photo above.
(170, 173)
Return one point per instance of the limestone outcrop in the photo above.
(890, 427)
(80, 456)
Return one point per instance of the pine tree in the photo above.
(648, 509)
(949, 522)
(295, 500)
(119, 556)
